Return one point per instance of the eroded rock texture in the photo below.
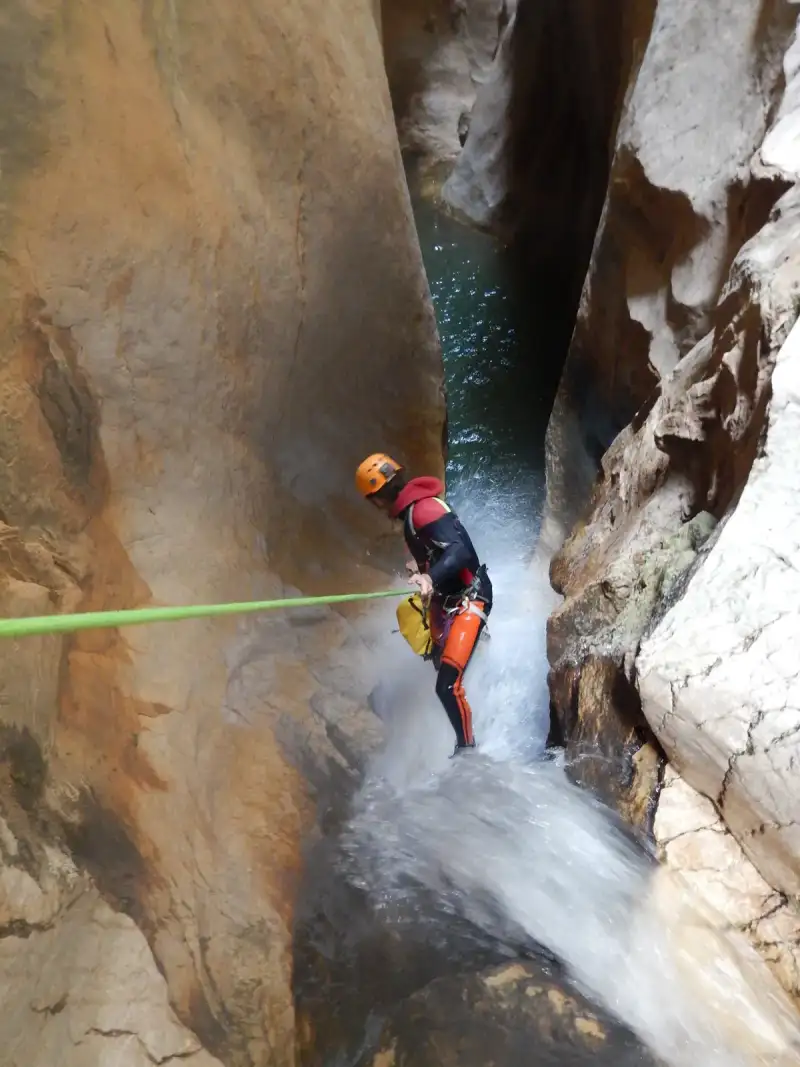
(570, 65)
(661, 560)
(682, 198)
(718, 676)
(535, 166)
(201, 332)
(694, 840)
(476, 187)
(666, 481)
(438, 54)
(727, 718)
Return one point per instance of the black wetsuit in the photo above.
(443, 550)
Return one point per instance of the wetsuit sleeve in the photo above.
(411, 558)
(447, 533)
(419, 559)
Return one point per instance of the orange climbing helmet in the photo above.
(375, 472)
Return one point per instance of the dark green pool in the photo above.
(498, 370)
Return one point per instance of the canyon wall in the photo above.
(203, 330)
(202, 333)
(675, 638)
(535, 166)
(681, 200)
(438, 55)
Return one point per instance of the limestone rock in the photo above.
(438, 53)
(87, 993)
(693, 839)
(668, 478)
(476, 187)
(513, 1014)
(592, 638)
(570, 67)
(780, 152)
(747, 1018)
(682, 199)
(595, 717)
(79, 983)
(718, 676)
(535, 164)
(714, 674)
(39, 880)
(202, 333)
(29, 670)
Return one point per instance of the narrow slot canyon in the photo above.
(505, 296)
(547, 250)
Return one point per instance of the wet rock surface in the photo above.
(512, 1014)
(693, 839)
(652, 533)
(592, 641)
(190, 286)
(85, 991)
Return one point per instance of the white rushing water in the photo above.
(504, 839)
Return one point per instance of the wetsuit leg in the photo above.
(456, 654)
(446, 681)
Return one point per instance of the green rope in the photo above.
(93, 620)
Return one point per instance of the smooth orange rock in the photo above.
(212, 305)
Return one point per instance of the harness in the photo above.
(463, 602)
(410, 514)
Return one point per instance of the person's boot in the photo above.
(461, 748)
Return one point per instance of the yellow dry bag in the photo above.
(412, 618)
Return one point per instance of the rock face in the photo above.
(535, 166)
(201, 331)
(510, 1015)
(438, 53)
(536, 162)
(87, 991)
(666, 480)
(476, 188)
(591, 641)
(693, 840)
(697, 261)
(79, 982)
(682, 198)
(570, 66)
(718, 676)
(729, 722)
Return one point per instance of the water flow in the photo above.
(504, 840)
(501, 837)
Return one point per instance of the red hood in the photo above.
(417, 489)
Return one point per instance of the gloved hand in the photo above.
(411, 566)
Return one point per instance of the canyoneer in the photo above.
(453, 584)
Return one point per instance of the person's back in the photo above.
(446, 568)
(435, 536)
